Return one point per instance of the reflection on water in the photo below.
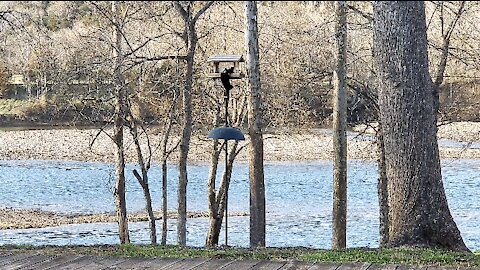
(298, 202)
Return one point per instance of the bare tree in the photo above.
(190, 40)
(143, 178)
(120, 113)
(144, 162)
(255, 127)
(446, 33)
(419, 213)
(217, 199)
(339, 216)
(166, 151)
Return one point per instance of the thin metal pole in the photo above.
(226, 97)
(226, 194)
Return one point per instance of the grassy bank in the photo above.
(414, 257)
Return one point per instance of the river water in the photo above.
(298, 195)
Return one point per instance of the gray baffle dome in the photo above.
(226, 133)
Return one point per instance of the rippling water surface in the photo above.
(299, 201)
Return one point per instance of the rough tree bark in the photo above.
(339, 216)
(255, 126)
(190, 39)
(419, 214)
(120, 100)
(446, 33)
(382, 190)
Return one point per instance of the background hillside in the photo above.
(56, 64)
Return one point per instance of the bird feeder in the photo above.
(219, 63)
(226, 67)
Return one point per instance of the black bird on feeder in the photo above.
(225, 78)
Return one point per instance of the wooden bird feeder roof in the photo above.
(218, 62)
(226, 58)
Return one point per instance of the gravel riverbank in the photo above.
(92, 145)
(33, 218)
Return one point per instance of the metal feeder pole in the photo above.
(226, 97)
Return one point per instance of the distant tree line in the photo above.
(59, 49)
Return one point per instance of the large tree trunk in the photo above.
(255, 125)
(121, 207)
(339, 216)
(419, 213)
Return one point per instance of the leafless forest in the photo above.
(57, 57)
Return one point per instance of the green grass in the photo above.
(414, 257)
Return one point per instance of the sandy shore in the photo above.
(92, 146)
(32, 218)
